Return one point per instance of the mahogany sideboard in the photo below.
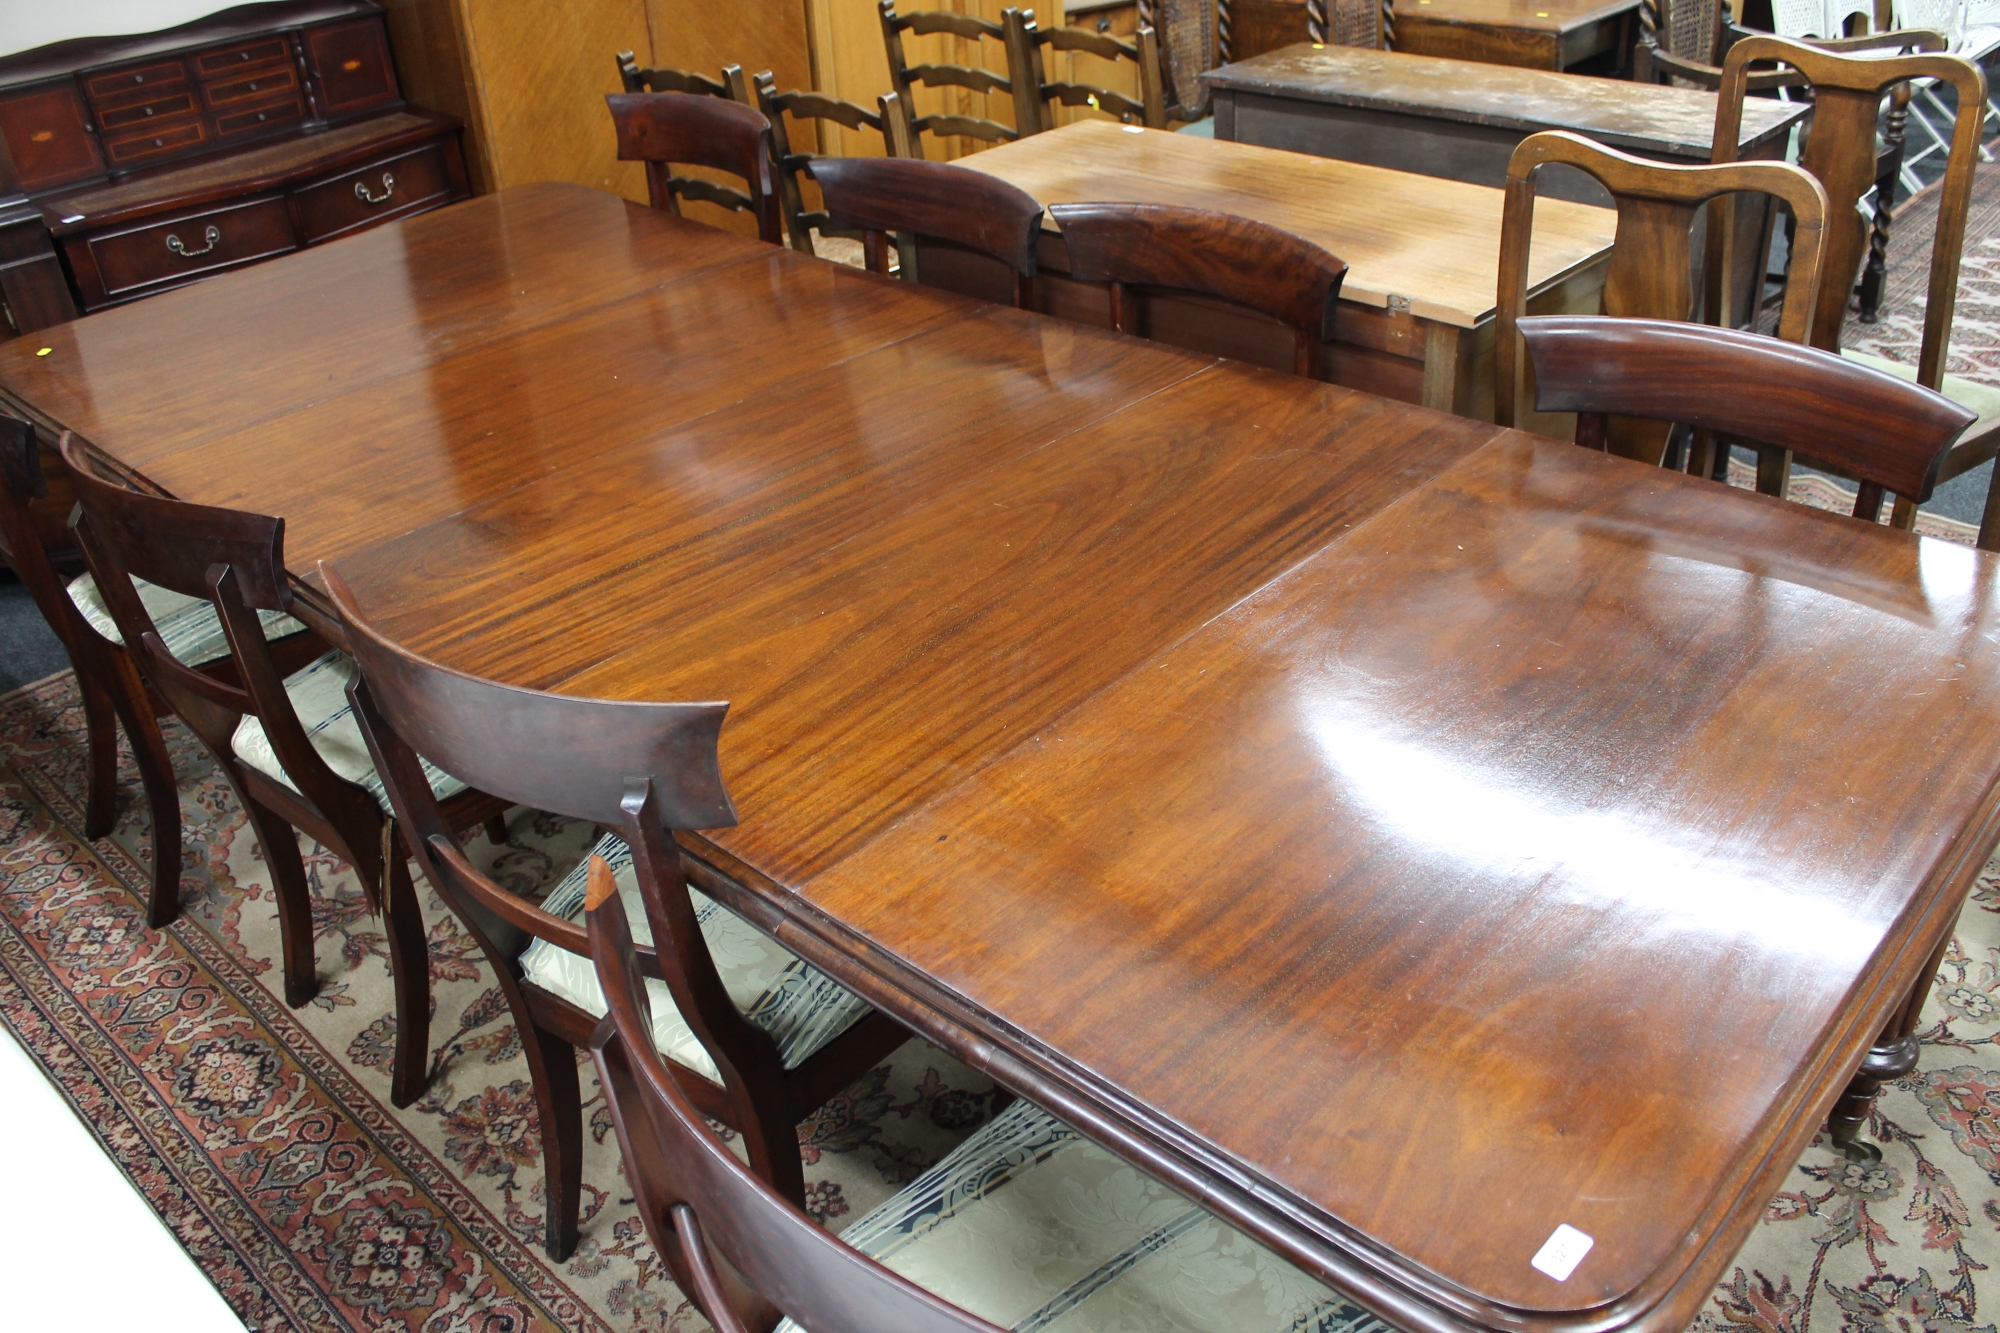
(132, 165)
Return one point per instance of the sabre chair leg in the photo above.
(410, 966)
(163, 798)
(100, 726)
(559, 1103)
(295, 920)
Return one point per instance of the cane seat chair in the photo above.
(34, 534)
(661, 129)
(1364, 23)
(732, 85)
(757, 1038)
(286, 740)
(1234, 259)
(905, 78)
(934, 201)
(1686, 40)
(947, 1254)
(1040, 44)
(890, 120)
(1847, 95)
(1888, 433)
(1650, 273)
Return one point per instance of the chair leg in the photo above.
(559, 1103)
(772, 1140)
(100, 725)
(410, 966)
(280, 842)
(1989, 517)
(156, 775)
(496, 830)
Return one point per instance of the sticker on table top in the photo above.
(1562, 1252)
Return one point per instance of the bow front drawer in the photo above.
(159, 255)
(386, 188)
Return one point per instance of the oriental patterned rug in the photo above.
(265, 1139)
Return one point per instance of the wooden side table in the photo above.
(1534, 34)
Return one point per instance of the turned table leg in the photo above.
(1893, 1055)
(1889, 173)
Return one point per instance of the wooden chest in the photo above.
(160, 159)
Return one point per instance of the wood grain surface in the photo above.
(1638, 117)
(1399, 834)
(1434, 242)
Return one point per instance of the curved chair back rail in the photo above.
(1840, 154)
(635, 79)
(1649, 273)
(1232, 258)
(733, 1244)
(1890, 434)
(660, 129)
(874, 195)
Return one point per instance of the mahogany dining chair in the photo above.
(1888, 433)
(661, 129)
(937, 202)
(285, 739)
(757, 1038)
(34, 533)
(1650, 274)
(1234, 259)
(1024, 1225)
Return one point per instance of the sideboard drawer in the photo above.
(117, 87)
(260, 119)
(273, 83)
(386, 188)
(135, 146)
(162, 254)
(154, 111)
(210, 64)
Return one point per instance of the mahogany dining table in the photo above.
(1414, 840)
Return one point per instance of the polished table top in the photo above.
(1434, 242)
(1637, 117)
(1401, 834)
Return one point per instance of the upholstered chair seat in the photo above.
(187, 625)
(800, 1007)
(1029, 1225)
(318, 693)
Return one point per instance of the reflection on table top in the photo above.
(1436, 242)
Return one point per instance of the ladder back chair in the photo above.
(731, 85)
(905, 78)
(1838, 151)
(937, 202)
(926, 1260)
(757, 1038)
(287, 742)
(664, 128)
(1650, 274)
(1234, 259)
(34, 533)
(1890, 434)
(1143, 51)
(890, 120)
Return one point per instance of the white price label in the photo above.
(1562, 1252)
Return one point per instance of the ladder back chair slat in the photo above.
(890, 120)
(905, 78)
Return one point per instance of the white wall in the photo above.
(31, 23)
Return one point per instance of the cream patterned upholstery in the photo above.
(1033, 1227)
(319, 696)
(802, 1009)
(1968, 394)
(188, 625)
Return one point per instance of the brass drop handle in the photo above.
(388, 188)
(211, 235)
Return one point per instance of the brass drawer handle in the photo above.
(212, 235)
(388, 188)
